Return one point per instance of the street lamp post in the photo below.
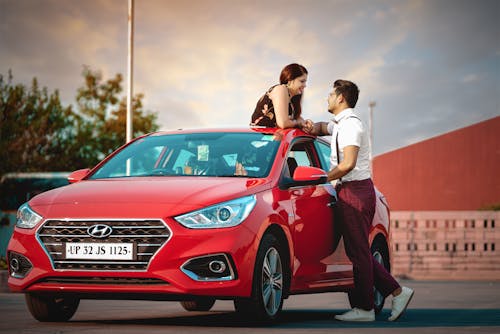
(371, 104)
(130, 69)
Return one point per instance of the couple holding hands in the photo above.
(280, 107)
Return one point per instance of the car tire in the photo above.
(381, 255)
(268, 281)
(201, 304)
(51, 308)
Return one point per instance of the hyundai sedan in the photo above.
(191, 216)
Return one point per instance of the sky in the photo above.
(431, 66)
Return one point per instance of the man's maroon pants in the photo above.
(356, 205)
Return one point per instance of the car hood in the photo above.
(142, 197)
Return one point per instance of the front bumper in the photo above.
(174, 272)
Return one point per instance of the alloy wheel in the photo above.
(272, 281)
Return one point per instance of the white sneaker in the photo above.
(400, 302)
(357, 314)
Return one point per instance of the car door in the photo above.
(320, 263)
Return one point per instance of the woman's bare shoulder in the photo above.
(278, 90)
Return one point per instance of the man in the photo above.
(350, 166)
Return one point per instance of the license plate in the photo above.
(99, 251)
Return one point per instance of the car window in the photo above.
(300, 154)
(324, 150)
(196, 154)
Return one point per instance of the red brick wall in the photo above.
(458, 245)
(459, 170)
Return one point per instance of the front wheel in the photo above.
(267, 287)
(381, 255)
(51, 308)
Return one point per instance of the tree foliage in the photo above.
(34, 128)
(103, 115)
(38, 133)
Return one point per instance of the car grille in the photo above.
(147, 235)
(104, 280)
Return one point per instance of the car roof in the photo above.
(220, 129)
(283, 133)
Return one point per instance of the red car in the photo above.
(192, 216)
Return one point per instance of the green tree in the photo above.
(34, 128)
(103, 115)
(38, 133)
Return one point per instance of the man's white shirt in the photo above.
(350, 132)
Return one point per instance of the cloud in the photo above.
(470, 78)
(430, 66)
(52, 40)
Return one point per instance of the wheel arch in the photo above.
(380, 238)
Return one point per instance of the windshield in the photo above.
(194, 154)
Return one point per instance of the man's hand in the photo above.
(308, 126)
(317, 129)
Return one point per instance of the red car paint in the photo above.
(298, 214)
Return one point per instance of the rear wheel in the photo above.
(51, 308)
(381, 255)
(201, 304)
(267, 287)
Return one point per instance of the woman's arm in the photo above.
(280, 98)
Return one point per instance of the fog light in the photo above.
(14, 265)
(19, 265)
(217, 267)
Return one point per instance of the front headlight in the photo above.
(27, 218)
(225, 214)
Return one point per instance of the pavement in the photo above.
(3, 281)
(449, 307)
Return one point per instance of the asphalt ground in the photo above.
(437, 307)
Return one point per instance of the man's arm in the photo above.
(346, 165)
(319, 129)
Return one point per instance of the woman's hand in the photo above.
(308, 126)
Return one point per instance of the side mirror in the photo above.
(78, 175)
(309, 175)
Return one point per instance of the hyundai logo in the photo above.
(99, 231)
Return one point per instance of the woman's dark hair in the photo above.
(289, 73)
(349, 91)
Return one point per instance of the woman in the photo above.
(280, 107)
